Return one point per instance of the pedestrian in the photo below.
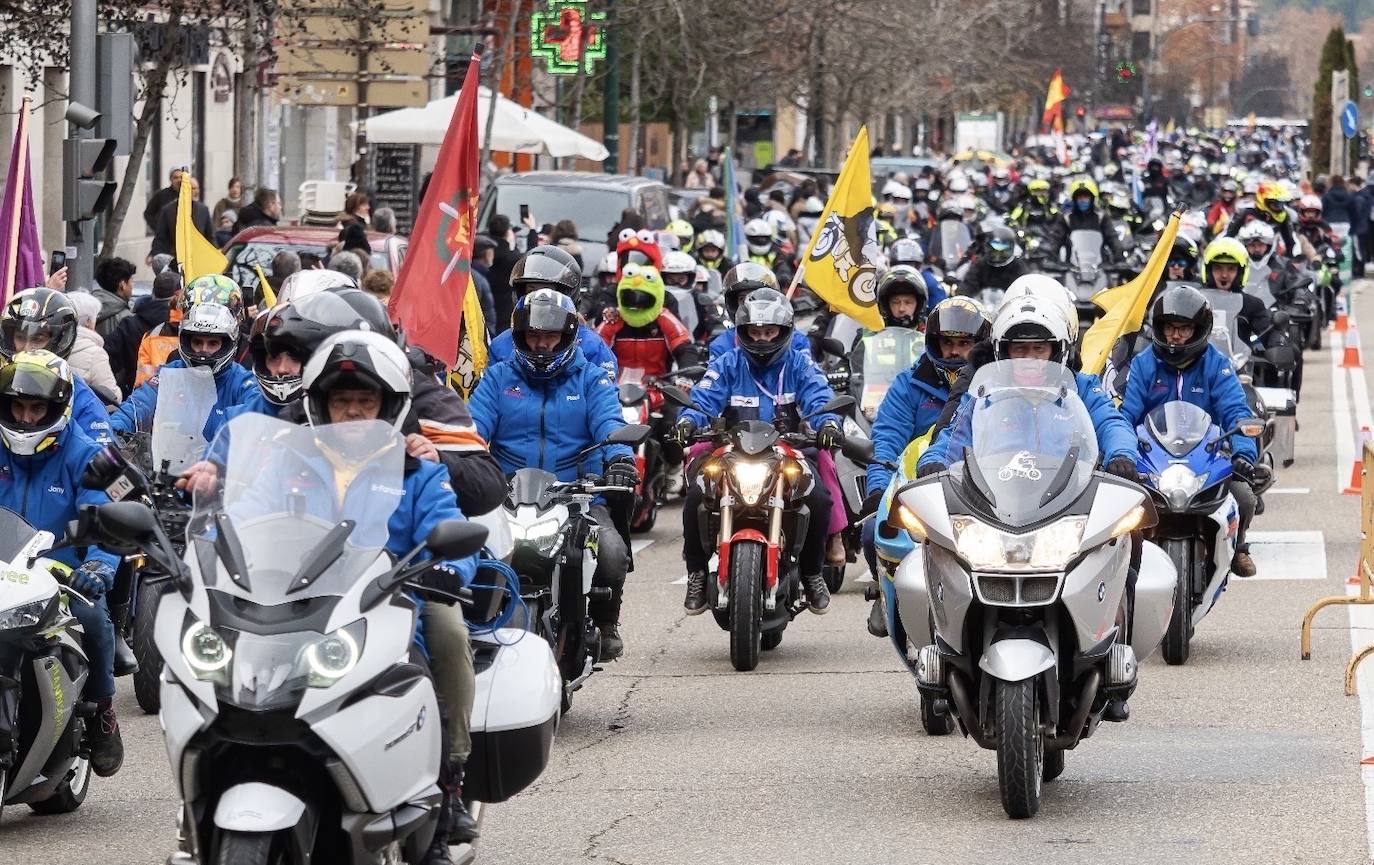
(87, 355)
(150, 313)
(284, 264)
(483, 250)
(503, 261)
(1359, 229)
(564, 229)
(353, 238)
(165, 235)
(357, 208)
(264, 209)
(114, 279)
(384, 220)
(1366, 197)
(224, 227)
(379, 283)
(161, 197)
(700, 176)
(348, 264)
(231, 202)
(1339, 211)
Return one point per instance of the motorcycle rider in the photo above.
(764, 249)
(767, 379)
(643, 335)
(680, 272)
(1223, 210)
(1183, 365)
(742, 280)
(554, 268)
(711, 251)
(685, 234)
(1036, 211)
(998, 267)
(1271, 206)
(1083, 215)
(913, 404)
(1226, 267)
(41, 463)
(542, 407)
(1180, 267)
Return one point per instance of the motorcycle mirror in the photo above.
(690, 372)
(838, 404)
(860, 450)
(633, 434)
(121, 526)
(456, 539)
(675, 396)
(1280, 318)
(833, 346)
(104, 469)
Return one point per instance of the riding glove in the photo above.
(621, 473)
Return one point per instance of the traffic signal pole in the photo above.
(81, 89)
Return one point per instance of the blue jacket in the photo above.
(1115, 437)
(935, 288)
(88, 412)
(543, 424)
(735, 389)
(253, 403)
(1208, 383)
(45, 489)
(233, 385)
(593, 347)
(909, 409)
(725, 342)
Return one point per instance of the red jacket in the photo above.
(647, 348)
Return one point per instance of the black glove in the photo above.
(927, 469)
(621, 473)
(683, 431)
(870, 505)
(442, 575)
(829, 435)
(1243, 468)
(1123, 467)
(92, 579)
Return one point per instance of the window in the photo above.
(1141, 7)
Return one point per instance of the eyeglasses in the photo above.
(1179, 262)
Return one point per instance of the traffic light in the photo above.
(85, 191)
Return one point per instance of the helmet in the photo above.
(956, 183)
(902, 279)
(894, 189)
(950, 208)
(906, 250)
(298, 329)
(1272, 198)
(305, 282)
(1310, 208)
(209, 319)
(1228, 187)
(758, 234)
(546, 267)
(36, 312)
(639, 295)
(360, 360)
(764, 306)
(1181, 303)
(887, 210)
(214, 288)
(1039, 189)
(744, 278)
(544, 310)
(711, 237)
(1002, 247)
(1226, 250)
(679, 264)
(1038, 286)
(1257, 231)
(683, 231)
(702, 277)
(35, 375)
(1031, 320)
(1184, 249)
(1081, 185)
(372, 315)
(956, 317)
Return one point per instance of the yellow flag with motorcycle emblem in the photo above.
(842, 260)
(1124, 307)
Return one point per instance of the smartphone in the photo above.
(57, 261)
(524, 212)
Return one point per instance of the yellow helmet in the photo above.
(1225, 250)
(1083, 184)
(35, 375)
(1272, 198)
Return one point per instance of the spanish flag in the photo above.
(1054, 102)
(1125, 305)
(841, 261)
(197, 255)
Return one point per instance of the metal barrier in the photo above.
(1363, 572)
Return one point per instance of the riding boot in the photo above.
(125, 664)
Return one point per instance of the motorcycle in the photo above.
(1022, 568)
(755, 480)
(1186, 468)
(555, 556)
(641, 403)
(299, 721)
(1085, 276)
(44, 760)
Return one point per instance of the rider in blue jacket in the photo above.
(737, 283)
(543, 406)
(41, 463)
(1182, 365)
(552, 267)
(42, 318)
(765, 379)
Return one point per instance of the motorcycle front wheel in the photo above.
(148, 677)
(248, 848)
(1178, 639)
(746, 599)
(1020, 747)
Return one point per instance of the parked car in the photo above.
(312, 243)
(593, 201)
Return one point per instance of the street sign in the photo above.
(1369, 91)
(1350, 120)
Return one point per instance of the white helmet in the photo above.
(359, 359)
(712, 237)
(1038, 286)
(667, 240)
(956, 183)
(1256, 229)
(1032, 319)
(703, 277)
(758, 234)
(679, 263)
(313, 281)
(893, 189)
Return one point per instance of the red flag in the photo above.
(427, 301)
(1054, 102)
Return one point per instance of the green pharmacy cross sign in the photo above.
(566, 35)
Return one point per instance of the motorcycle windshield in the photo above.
(753, 437)
(844, 329)
(955, 238)
(307, 508)
(1257, 283)
(185, 398)
(1226, 307)
(1034, 446)
(530, 487)
(1087, 252)
(15, 534)
(1179, 426)
(887, 354)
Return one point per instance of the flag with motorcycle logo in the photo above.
(1124, 307)
(841, 262)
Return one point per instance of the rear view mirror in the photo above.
(675, 396)
(832, 346)
(633, 434)
(860, 450)
(456, 539)
(693, 372)
(838, 404)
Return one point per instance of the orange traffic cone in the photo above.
(1356, 485)
(1350, 357)
(1342, 321)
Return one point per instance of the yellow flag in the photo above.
(841, 261)
(197, 255)
(472, 346)
(269, 297)
(1125, 305)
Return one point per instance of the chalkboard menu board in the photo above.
(396, 182)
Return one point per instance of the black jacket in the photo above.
(122, 343)
(160, 199)
(1072, 220)
(165, 233)
(251, 216)
(981, 275)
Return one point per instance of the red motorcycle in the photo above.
(642, 402)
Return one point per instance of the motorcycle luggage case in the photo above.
(514, 713)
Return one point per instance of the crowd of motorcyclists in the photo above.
(988, 262)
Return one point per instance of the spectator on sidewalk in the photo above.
(87, 356)
(114, 279)
(160, 199)
(264, 209)
(165, 235)
(230, 202)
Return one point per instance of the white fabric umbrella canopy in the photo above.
(516, 129)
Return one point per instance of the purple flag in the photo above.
(21, 257)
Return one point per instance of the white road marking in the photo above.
(1288, 491)
(1342, 419)
(637, 544)
(1287, 555)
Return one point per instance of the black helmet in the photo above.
(1185, 249)
(743, 278)
(957, 317)
(1001, 246)
(546, 267)
(897, 280)
(39, 311)
(368, 308)
(761, 307)
(1181, 303)
(297, 329)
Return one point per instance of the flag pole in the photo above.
(16, 201)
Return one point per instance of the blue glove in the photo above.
(93, 579)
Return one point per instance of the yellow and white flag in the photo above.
(1125, 305)
(472, 346)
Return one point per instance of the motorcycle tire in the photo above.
(833, 576)
(1178, 638)
(1054, 763)
(1020, 747)
(70, 794)
(746, 603)
(148, 678)
(247, 848)
(933, 724)
(770, 640)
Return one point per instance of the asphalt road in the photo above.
(1246, 755)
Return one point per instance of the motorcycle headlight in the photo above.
(1178, 484)
(206, 652)
(541, 535)
(750, 480)
(24, 615)
(335, 655)
(1048, 549)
